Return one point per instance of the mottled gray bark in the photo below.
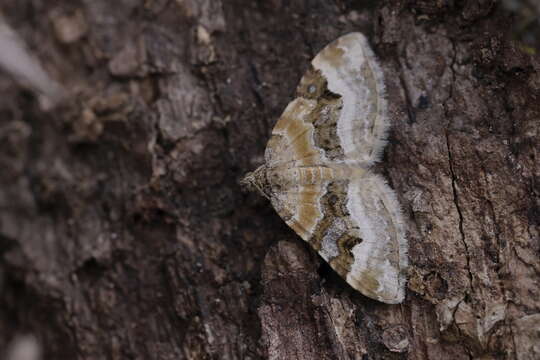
(123, 230)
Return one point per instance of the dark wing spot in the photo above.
(332, 199)
(330, 95)
(349, 243)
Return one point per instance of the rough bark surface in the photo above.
(123, 230)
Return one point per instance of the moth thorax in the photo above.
(308, 175)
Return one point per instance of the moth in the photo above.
(317, 170)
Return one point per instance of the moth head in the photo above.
(257, 181)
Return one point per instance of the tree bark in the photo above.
(124, 233)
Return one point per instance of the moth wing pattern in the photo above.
(352, 72)
(317, 170)
(292, 138)
(356, 227)
(380, 259)
(300, 208)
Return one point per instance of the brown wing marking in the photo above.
(300, 208)
(292, 137)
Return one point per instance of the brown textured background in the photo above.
(124, 233)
